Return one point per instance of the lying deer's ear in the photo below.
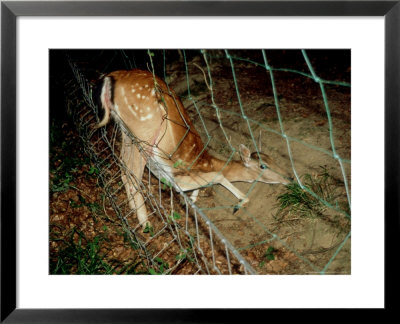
(244, 154)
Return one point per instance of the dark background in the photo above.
(329, 64)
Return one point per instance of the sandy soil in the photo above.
(303, 245)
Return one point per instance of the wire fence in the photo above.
(232, 98)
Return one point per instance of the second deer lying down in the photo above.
(167, 138)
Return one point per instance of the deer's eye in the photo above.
(263, 166)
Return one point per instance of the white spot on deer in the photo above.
(148, 108)
(149, 116)
(136, 84)
(123, 91)
(133, 90)
(153, 92)
(143, 97)
(132, 111)
(146, 86)
(136, 107)
(140, 88)
(138, 95)
(126, 99)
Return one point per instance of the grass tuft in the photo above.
(297, 203)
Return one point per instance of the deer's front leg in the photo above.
(238, 194)
(131, 174)
(194, 182)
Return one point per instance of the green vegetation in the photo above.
(73, 201)
(174, 217)
(298, 203)
(66, 160)
(79, 255)
(161, 265)
(165, 183)
(94, 208)
(186, 254)
(149, 229)
(269, 255)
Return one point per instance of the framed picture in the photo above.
(342, 58)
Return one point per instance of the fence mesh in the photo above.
(299, 116)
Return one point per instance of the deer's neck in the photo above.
(232, 170)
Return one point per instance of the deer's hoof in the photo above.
(240, 205)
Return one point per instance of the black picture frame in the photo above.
(10, 10)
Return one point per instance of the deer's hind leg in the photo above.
(131, 174)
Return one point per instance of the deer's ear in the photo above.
(244, 154)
